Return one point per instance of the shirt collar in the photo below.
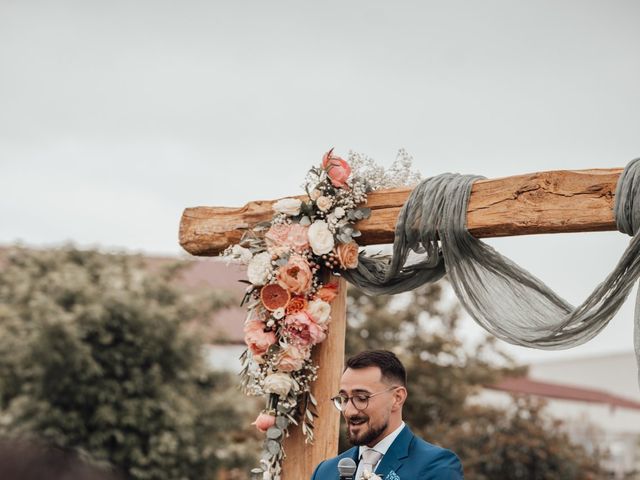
(383, 445)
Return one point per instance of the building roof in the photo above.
(527, 386)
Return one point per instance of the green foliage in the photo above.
(421, 327)
(94, 356)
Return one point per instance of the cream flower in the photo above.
(320, 311)
(320, 238)
(324, 203)
(278, 383)
(315, 194)
(243, 255)
(288, 206)
(259, 268)
(367, 475)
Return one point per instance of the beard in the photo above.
(366, 433)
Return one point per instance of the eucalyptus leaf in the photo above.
(282, 422)
(273, 446)
(274, 433)
(366, 212)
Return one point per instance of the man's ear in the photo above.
(399, 397)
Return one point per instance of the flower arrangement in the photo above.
(290, 263)
(367, 475)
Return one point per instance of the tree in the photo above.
(421, 327)
(94, 356)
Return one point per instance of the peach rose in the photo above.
(337, 169)
(298, 237)
(348, 254)
(296, 275)
(296, 304)
(303, 330)
(264, 422)
(256, 338)
(327, 293)
(293, 358)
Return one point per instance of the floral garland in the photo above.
(290, 261)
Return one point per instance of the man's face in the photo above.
(364, 427)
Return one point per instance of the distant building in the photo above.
(615, 372)
(598, 409)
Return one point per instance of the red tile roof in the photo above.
(527, 386)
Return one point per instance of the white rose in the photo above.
(324, 203)
(339, 212)
(320, 238)
(320, 311)
(259, 268)
(278, 313)
(243, 255)
(288, 206)
(279, 383)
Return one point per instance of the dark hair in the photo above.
(391, 367)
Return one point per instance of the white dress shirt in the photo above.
(382, 446)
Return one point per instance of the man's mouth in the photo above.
(357, 421)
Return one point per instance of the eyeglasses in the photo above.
(360, 400)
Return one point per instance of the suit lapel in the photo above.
(398, 451)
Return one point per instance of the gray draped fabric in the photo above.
(502, 297)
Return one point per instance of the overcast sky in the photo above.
(116, 115)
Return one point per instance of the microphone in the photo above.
(347, 468)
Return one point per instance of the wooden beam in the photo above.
(329, 355)
(543, 202)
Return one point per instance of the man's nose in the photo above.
(349, 410)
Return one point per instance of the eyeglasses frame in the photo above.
(369, 396)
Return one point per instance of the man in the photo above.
(373, 389)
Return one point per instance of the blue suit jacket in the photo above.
(409, 457)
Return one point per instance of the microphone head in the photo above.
(347, 467)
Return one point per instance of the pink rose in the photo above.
(293, 358)
(303, 330)
(264, 422)
(276, 237)
(337, 169)
(298, 238)
(256, 338)
(296, 275)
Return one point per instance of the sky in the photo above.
(115, 116)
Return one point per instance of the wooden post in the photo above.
(329, 355)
